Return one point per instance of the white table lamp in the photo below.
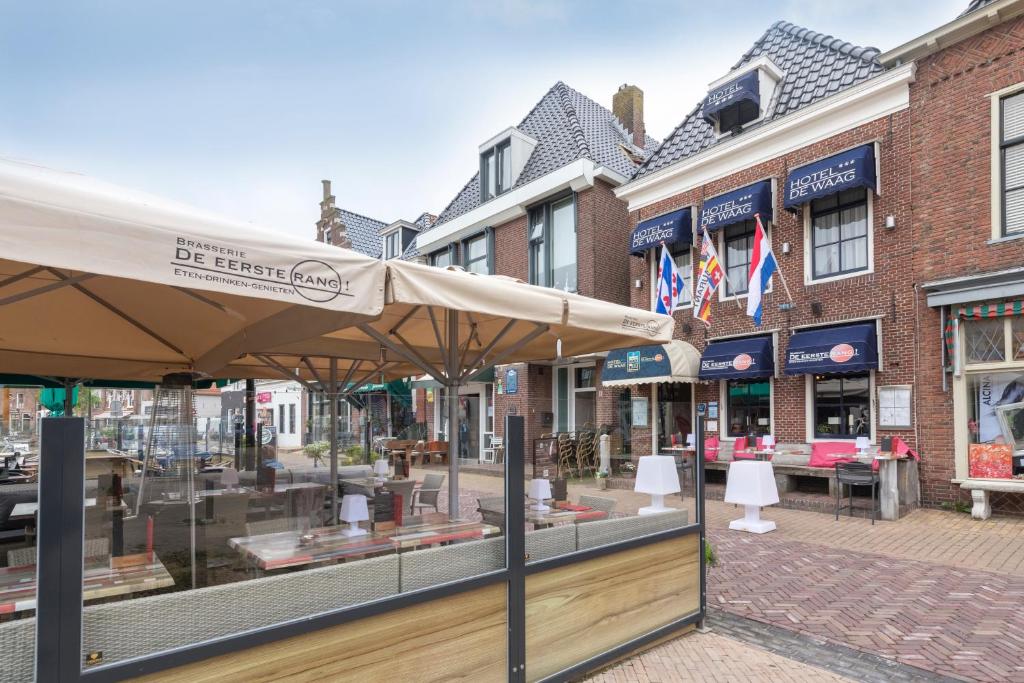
(768, 442)
(863, 444)
(751, 483)
(691, 440)
(229, 477)
(540, 490)
(381, 468)
(656, 475)
(353, 511)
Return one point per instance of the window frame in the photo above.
(1009, 352)
(654, 259)
(397, 235)
(812, 427)
(501, 183)
(486, 258)
(808, 218)
(546, 240)
(997, 197)
(723, 401)
(1005, 145)
(723, 254)
(433, 256)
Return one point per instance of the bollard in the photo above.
(606, 453)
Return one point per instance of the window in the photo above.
(496, 171)
(327, 235)
(1011, 152)
(842, 406)
(839, 233)
(441, 259)
(994, 340)
(682, 254)
(739, 245)
(393, 245)
(291, 418)
(474, 255)
(552, 245)
(748, 407)
(280, 421)
(675, 410)
(739, 115)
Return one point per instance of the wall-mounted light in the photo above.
(785, 247)
(816, 309)
(890, 222)
(639, 283)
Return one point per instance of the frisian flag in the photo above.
(711, 275)
(670, 284)
(762, 266)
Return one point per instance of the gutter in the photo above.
(953, 32)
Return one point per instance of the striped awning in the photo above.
(989, 310)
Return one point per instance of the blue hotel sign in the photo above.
(849, 169)
(738, 205)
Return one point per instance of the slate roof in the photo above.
(975, 5)
(567, 126)
(815, 66)
(363, 232)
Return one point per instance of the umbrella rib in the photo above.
(116, 311)
(356, 386)
(65, 281)
(469, 340)
(440, 340)
(312, 370)
(21, 276)
(274, 365)
(416, 354)
(539, 330)
(209, 302)
(405, 318)
(352, 369)
(408, 354)
(490, 346)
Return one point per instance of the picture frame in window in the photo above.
(894, 406)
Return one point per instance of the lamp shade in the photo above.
(656, 475)
(540, 489)
(768, 441)
(229, 477)
(863, 443)
(380, 467)
(354, 508)
(751, 483)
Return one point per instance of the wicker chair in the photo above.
(93, 547)
(554, 541)
(599, 503)
(428, 494)
(603, 532)
(433, 566)
(492, 511)
(403, 488)
(133, 628)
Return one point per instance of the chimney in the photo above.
(327, 189)
(628, 107)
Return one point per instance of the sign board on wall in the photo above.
(512, 381)
(640, 411)
(894, 406)
(264, 397)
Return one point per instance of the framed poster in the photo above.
(512, 381)
(894, 406)
(639, 405)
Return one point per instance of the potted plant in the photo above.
(602, 479)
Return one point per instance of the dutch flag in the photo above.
(762, 266)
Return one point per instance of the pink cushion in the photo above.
(824, 453)
(711, 449)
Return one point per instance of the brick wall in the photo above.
(951, 227)
(602, 235)
(887, 292)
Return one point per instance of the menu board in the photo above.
(894, 406)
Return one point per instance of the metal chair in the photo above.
(403, 488)
(566, 454)
(427, 495)
(856, 474)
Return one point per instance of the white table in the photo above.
(751, 483)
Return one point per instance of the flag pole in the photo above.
(725, 274)
(779, 268)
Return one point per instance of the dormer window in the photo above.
(393, 245)
(742, 97)
(496, 170)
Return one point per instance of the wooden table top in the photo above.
(284, 549)
(557, 516)
(18, 584)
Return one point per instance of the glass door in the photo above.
(469, 427)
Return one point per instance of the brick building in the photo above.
(811, 134)
(966, 121)
(542, 209)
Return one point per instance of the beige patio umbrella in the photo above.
(452, 325)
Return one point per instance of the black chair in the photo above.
(856, 474)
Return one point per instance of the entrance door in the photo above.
(469, 426)
(575, 398)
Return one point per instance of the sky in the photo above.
(242, 107)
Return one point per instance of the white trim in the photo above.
(576, 176)
(741, 335)
(953, 32)
(724, 259)
(809, 280)
(762, 63)
(508, 133)
(570, 421)
(809, 426)
(995, 131)
(884, 94)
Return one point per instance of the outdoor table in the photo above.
(763, 454)
(26, 510)
(284, 549)
(133, 574)
(563, 514)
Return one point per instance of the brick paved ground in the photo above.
(936, 590)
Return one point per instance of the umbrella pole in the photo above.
(452, 367)
(332, 392)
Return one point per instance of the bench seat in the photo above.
(980, 490)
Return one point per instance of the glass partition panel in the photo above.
(181, 550)
(19, 503)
